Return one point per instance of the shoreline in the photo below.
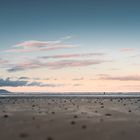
(62, 95)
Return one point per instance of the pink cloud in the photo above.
(127, 49)
(34, 46)
(73, 63)
(77, 85)
(78, 79)
(3, 61)
(34, 43)
(119, 78)
(33, 64)
(73, 55)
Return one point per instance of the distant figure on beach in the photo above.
(104, 93)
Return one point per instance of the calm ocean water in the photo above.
(76, 95)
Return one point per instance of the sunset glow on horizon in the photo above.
(70, 46)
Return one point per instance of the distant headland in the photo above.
(4, 91)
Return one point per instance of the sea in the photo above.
(72, 95)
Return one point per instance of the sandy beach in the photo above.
(69, 118)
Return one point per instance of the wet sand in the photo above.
(69, 118)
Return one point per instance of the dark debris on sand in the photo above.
(91, 116)
(23, 135)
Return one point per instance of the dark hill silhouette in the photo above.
(4, 91)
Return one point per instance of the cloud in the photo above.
(135, 56)
(34, 43)
(20, 83)
(66, 37)
(23, 78)
(14, 69)
(72, 55)
(35, 46)
(30, 64)
(76, 85)
(73, 63)
(7, 82)
(29, 78)
(78, 79)
(34, 64)
(43, 85)
(131, 86)
(119, 78)
(2, 61)
(127, 49)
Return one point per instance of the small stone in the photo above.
(84, 126)
(75, 116)
(5, 116)
(108, 114)
(73, 122)
(23, 135)
(49, 138)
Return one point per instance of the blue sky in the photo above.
(108, 30)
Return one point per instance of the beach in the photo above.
(69, 118)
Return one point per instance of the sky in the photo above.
(70, 45)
